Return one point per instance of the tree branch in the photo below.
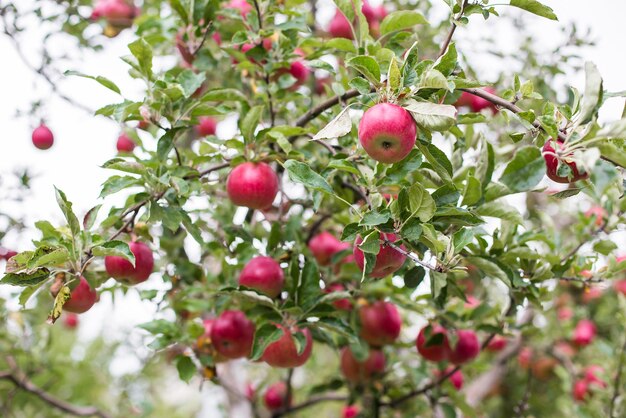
(21, 381)
(446, 43)
(310, 402)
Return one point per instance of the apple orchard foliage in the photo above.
(353, 184)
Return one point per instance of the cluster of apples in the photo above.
(340, 27)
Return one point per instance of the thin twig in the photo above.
(446, 43)
(413, 257)
(310, 402)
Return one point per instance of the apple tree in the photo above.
(342, 211)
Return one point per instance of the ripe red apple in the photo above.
(42, 137)
(340, 26)
(117, 13)
(232, 334)
(6, 254)
(350, 411)
(543, 367)
(342, 304)
(82, 298)
(591, 376)
(471, 303)
(620, 286)
(584, 333)
(253, 185)
(467, 347)
(564, 349)
(321, 83)
(125, 143)
(275, 397)
(242, 5)
(299, 70)
(552, 164)
(564, 313)
(263, 274)
(122, 270)
(436, 351)
(388, 259)
(455, 378)
(598, 213)
(476, 103)
(387, 132)
(380, 323)
(580, 390)
(284, 353)
(524, 357)
(356, 371)
(497, 343)
(70, 320)
(206, 126)
(324, 245)
(204, 343)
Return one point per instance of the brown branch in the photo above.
(618, 382)
(20, 380)
(207, 171)
(413, 257)
(310, 402)
(581, 280)
(327, 104)
(446, 43)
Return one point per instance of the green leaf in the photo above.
(371, 243)
(160, 326)
(604, 247)
(102, 80)
(438, 160)
(120, 164)
(186, 368)
(432, 116)
(114, 248)
(302, 173)
(490, 268)
(66, 208)
(115, 184)
(400, 20)
(90, 217)
(533, 6)
(48, 257)
(414, 277)
(223, 95)
(166, 144)
(375, 217)
(264, 336)
(190, 81)
(525, 171)
(447, 63)
(500, 210)
(250, 122)
(29, 278)
(462, 238)
(421, 202)
(592, 98)
(64, 294)
(433, 79)
(367, 66)
(393, 74)
(143, 52)
(341, 125)
(473, 191)
(613, 151)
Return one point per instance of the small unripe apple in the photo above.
(284, 353)
(552, 164)
(350, 411)
(70, 320)
(324, 245)
(122, 270)
(342, 304)
(388, 259)
(125, 143)
(206, 126)
(82, 298)
(455, 378)
(584, 333)
(438, 349)
(380, 323)
(276, 397)
(543, 368)
(357, 371)
(42, 137)
(263, 274)
(467, 347)
(387, 132)
(232, 334)
(253, 185)
(497, 343)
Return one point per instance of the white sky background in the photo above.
(83, 142)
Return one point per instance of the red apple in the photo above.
(497, 343)
(275, 397)
(525, 357)
(232, 334)
(564, 349)
(380, 323)
(70, 320)
(620, 286)
(565, 313)
(455, 378)
(591, 293)
(82, 298)
(387, 132)
(299, 70)
(263, 274)
(42, 137)
(342, 304)
(580, 390)
(350, 411)
(584, 333)
(437, 350)
(321, 83)
(356, 371)
(117, 13)
(467, 347)
(253, 185)
(598, 213)
(284, 353)
(206, 126)
(324, 245)
(250, 391)
(591, 376)
(125, 143)
(552, 164)
(6, 254)
(471, 303)
(340, 26)
(122, 270)
(543, 367)
(388, 259)
(242, 5)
